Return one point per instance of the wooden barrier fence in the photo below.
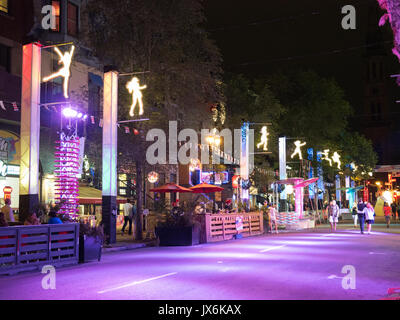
(220, 227)
(25, 248)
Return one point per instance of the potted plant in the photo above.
(178, 229)
(90, 242)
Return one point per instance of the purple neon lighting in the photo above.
(67, 169)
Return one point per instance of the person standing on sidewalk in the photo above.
(273, 219)
(387, 211)
(333, 212)
(361, 215)
(127, 216)
(369, 216)
(354, 213)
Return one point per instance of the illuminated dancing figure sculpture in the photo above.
(336, 159)
(135, 89)
(298, 145)
(326, 156)
(66, 60)
(264, 139)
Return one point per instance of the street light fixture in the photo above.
(214, 141)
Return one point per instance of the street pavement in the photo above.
(291, 266)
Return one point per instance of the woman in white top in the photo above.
(369, 216)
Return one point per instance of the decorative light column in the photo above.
(244, 161)
(30, 128)
(110, 134)
(66, 173)
(282, 163)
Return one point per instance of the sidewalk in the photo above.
(126, 242)
(379, 226)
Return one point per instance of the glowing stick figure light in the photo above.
(298, 145)
(264, 138)
(134, 88)
(65, 60)
(336, 159)
(326, 156)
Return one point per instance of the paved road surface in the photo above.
(285, 266)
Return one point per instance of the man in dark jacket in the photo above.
(361, 216)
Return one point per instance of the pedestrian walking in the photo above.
(333, 213)
(369, 216)
(398, 211)
(127, 216)
(361, 214)
(394, 209)
(387, 210)
(354, 213)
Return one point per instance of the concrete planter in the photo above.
(89, 248)
(178, 236)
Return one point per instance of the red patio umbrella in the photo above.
(171, 187)
(206, 188)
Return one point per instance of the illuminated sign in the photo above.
(7, 192)
(264, 138)
(134, 89)
(235, 182)
(3, 169)
(64, 72)
(297, 150)
(13, 170)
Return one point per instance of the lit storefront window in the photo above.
(57, 13)
(4, 6)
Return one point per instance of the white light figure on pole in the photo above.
(297, 151)
(134, 88)
(326, 156)
(336, 159)
(264, 138)
(64, 72)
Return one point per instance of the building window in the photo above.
(72, 19)
(4, 6)
(57, 12)
(4, 58)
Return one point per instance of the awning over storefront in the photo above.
(89, 195)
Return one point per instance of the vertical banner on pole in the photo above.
(282, 163)
(338, 192)
(110, 114)
(30, 128)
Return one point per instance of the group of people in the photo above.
(364, 213)
(48, 216)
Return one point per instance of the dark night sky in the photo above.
(261, 37)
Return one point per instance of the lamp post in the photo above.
(214, 141)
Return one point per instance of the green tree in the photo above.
(165, 39)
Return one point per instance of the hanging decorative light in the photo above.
(152, 177)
